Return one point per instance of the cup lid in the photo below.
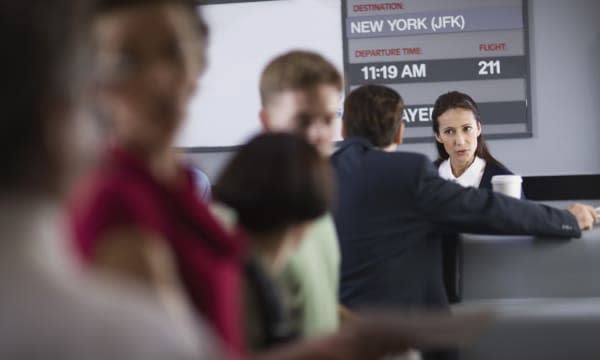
(503, 179)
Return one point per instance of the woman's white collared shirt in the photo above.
(471, 177)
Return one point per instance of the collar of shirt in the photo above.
(471, 177)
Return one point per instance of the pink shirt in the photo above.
(123, 192)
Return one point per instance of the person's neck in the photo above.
(390, 148)
(31, 225)
(22, 210)
(163, 162)
(459, 168)
(164, 166)
(268, 255)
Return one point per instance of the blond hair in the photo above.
(297, 70)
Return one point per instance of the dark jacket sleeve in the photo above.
(458, 209)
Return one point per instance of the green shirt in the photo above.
(311, 279)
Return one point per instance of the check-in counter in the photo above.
(523, 266)
(546, 293)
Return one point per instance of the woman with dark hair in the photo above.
(463, 156)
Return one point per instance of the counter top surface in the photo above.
(505, 266)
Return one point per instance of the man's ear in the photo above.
(263, 115)
(399, 138)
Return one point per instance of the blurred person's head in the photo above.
(300, 93)
(42, 132)
(457, 128)
(150, 54)
(374, 112)
(278, 184)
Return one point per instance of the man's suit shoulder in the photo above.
(407, 158)
(407, 155)
(359, 151)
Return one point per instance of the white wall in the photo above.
(565, 96)
(244, 37)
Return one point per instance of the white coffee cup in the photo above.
(509, 185)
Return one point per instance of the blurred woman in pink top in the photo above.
(150, 54)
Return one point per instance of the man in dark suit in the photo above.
(393, 209)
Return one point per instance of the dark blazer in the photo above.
(492, 170)
(391, 213)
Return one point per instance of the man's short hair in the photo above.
(297, 70)
(373, 112)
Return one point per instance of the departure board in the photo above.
(424, 48)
